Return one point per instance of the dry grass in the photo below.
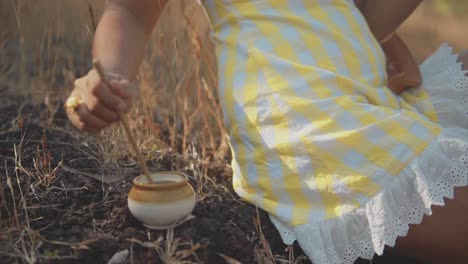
(177, 102)
(178, 96)
(175, 90)
(177, 78)
(168, 249)
(17, 239)
(264, 253)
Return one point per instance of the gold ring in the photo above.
(73, 102)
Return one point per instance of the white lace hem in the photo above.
(365, 231)
(425, 182)
(447, 85)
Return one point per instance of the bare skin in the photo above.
(403, 72)
(463, 58)
(384, 16)
(441, 237)
(119, 42)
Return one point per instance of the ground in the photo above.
(73, 218)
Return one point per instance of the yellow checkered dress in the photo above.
(314, 131)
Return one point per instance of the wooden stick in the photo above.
(97, 65)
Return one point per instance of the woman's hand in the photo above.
(119, 44)
(403, 71)
(93, 105)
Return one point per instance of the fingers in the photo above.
(104, 95)
(401, 58)
(100, 92)
(401, 82)
(463, 58)
(102, 112)
(404, 71)
(125, 90)
(119, 85)
(101, 102)
(84, 120)
(397, 83)
(91, 122)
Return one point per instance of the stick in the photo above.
(97, 65)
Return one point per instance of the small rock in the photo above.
(119, 257)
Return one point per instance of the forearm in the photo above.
(122, 34)
(385, 16)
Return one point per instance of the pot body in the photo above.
(163, 203)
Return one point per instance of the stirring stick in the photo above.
(97, 65)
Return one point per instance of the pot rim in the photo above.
(155, 186)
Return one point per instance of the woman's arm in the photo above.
(123, 32)
(403, 72)
(385, 16)
(119, 44)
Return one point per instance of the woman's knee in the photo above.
(441, 236)
(452, 223)
(463, 58)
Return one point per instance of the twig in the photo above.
(91, 14)
(97, 65)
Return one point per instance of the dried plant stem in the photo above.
(92, 16)
(123, 119)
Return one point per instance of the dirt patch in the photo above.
(77, 219)
(83, 219)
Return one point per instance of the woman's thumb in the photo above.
(401, 82)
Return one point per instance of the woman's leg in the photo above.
(463, 57)
(443, 236)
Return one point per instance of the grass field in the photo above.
(56, 204)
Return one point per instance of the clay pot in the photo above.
(163, 203)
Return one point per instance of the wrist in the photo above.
(386, 39)
(360, 4)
